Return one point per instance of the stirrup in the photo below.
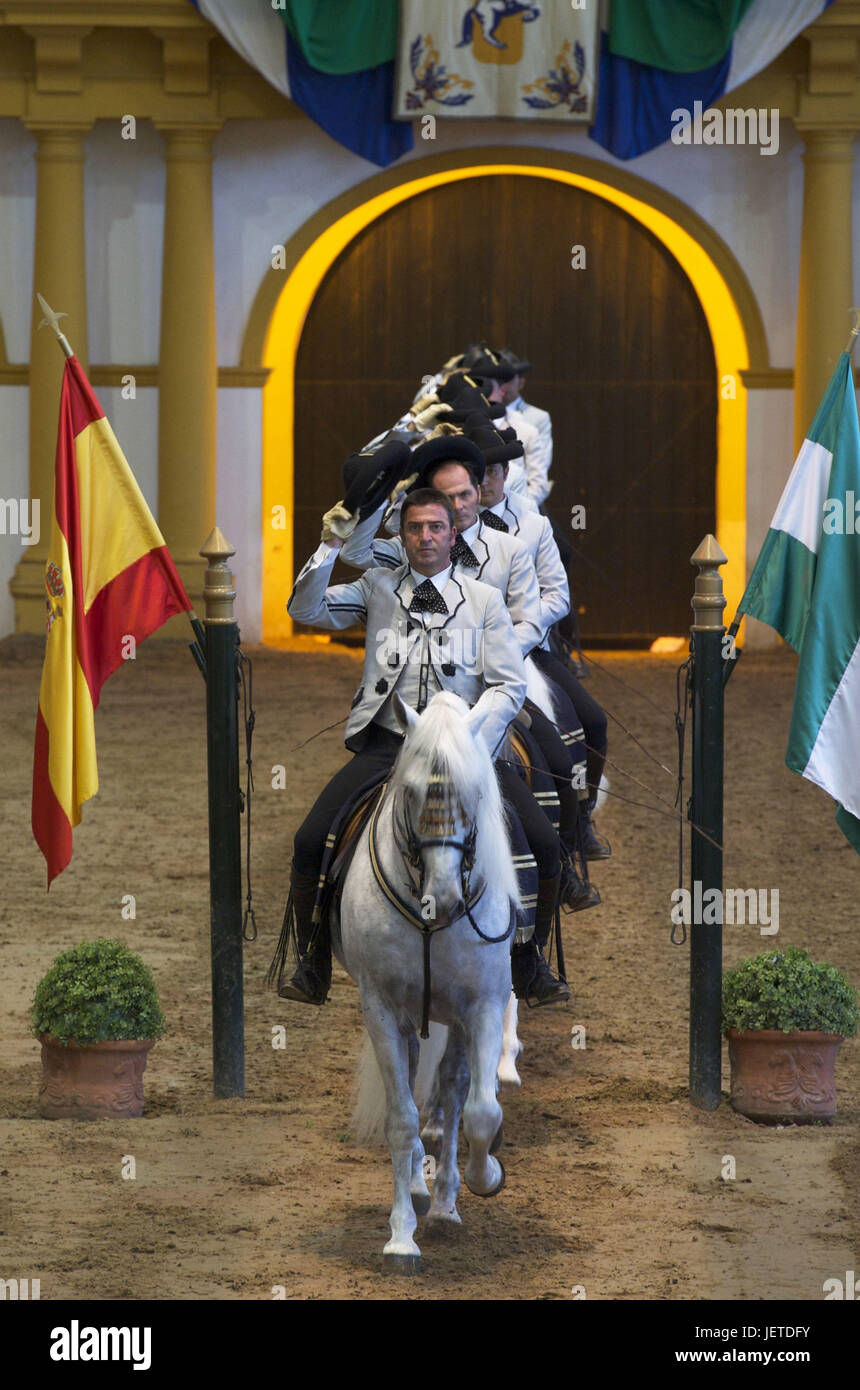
(545, 988)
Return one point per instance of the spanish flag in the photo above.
(109, 577)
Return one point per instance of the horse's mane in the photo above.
(442, 744)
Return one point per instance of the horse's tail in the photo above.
(538, 690)
(368, 1115)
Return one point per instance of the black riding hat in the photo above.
(490, 364)
(446, 448)
(519, 364)
(369, 477)
(463, 393)
(494, 448)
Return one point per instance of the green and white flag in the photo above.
(806, 584)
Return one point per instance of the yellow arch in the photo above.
(277, 319)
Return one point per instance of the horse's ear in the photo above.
(404, 714)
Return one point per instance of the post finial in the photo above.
(218, 588)
(849, 346)
(708, 601)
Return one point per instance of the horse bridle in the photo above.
(411, 854)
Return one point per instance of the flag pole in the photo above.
(849, 346)
(52, 320)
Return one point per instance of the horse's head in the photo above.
(437, 793)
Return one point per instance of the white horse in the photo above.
(435, 856)
(429, 1086)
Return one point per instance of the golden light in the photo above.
(285, 329)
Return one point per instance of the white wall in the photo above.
(17, 214)
(269, 177)
(239, 498)
(14, 482)
(124, 192)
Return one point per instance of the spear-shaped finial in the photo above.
(53, 321)
(855, 330)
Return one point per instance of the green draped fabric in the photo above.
(339, 36)
(676, 35)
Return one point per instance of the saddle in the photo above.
(347, 836)
(521, 753)
(341, 843)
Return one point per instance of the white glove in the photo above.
(430, 416)
(338, 524)
(401, 487)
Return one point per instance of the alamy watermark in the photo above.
(734, 126)
(735, 906)
(20, 517)
(842, 518)
(459, 648)
(15, 1289)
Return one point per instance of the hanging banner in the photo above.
(497, 58)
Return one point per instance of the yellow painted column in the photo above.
(60, 275)
(825, 291)
(188, 366)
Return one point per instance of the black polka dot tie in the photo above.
(427, 599)
(462, 555)
(494, 522)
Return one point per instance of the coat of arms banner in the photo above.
(497, 58)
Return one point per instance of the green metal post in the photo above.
(706, 811)
(225, 860)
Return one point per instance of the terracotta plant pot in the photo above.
(783, 1077)
(102, 1080)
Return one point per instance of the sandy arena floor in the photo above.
(614, 1181)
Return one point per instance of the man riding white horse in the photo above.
(456, 466)
(401, 608)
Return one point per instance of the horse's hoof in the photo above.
(401, 1264)
(499, 1139)
(421, 1203)
(442, 1220)
(495, 1190)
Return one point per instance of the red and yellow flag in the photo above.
(109, 577)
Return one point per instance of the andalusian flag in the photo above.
(109, 577)
(806, 584)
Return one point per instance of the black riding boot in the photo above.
(310, 984)
(576, 893)
(594, 846)
(531, 976)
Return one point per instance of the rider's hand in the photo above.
(338, 524)
(425, 419)
(402, 486)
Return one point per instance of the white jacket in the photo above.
(491, 677)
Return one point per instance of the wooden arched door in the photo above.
(621, 354)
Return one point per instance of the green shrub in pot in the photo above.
(96, 1013)
(785, 1017)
